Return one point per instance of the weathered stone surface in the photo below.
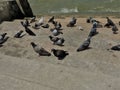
(10, 10)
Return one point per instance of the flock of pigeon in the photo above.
(60, 54)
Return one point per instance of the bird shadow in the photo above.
(85, 49)
(96, 33)
(1, 45)
(115, 32)
(60, 45)
(61, 58)
(89, 48)
(36, 28)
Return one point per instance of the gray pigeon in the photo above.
(53, 39)
(3, 38)
(25, 23)
(109, 22)
(33, 19)
(45, 26)
(93, 32)
(114, 29)
(19, 34)
(56, 32)
(85, 45)
(41, 51)
(72, 22)
(89, 20)
(36, 26)
(39, 23)
(51, 20)
(57, 41)
(58, 26)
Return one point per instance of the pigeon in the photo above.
(85, 45)
(95, 24)
(19, 34)
(56, 32)
(116, 48)
(30, 32)
(60, 42)
(54, 23)
(107, 25)
(33, 19)
(72, 22)
(46, 26)
(41, 51)
(3, 38)
(41, 21)
(58, 26)
(93, 32)
(36, 26)
(51, 19)
(114, 29)
(109, 22)
(57, 41)
(53, 39)
(89, 20)
(60, 54)
(25, 24)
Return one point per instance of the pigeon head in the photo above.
(52, 50)
(63, 39)
(90, 17)
(21, 31)
(50, 36)
(107, 17)
(78, 50)
(4, 34)
(94, 24)
(21, 22)
(33, 44)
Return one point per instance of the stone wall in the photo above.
(10, 10)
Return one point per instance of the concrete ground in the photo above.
(93, 69)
